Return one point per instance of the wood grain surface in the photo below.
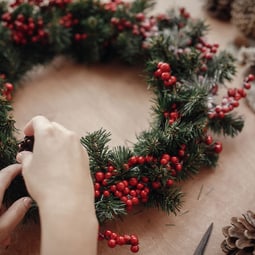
(115, 97)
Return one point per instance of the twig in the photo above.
(200, 192)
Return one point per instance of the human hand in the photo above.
(58, 167)
(57, 176)
(10, 218)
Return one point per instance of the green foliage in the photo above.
(109, 210)
(231, 125)
(97, 148)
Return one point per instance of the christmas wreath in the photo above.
(183, 70)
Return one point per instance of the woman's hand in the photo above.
(58, 167)
(57, 176)
(10, 218)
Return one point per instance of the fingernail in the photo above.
(27, 201)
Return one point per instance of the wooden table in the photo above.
(115, 97)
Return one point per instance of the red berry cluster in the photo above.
(114, 239)
(131, 191)
(172, 115)
(32, 2)
(121, 24)
(113, 5)
(208, 51)
(143, 26)
(146, 28)
(217, 146)
(7, 91)
(231, 101)
(164, 73)
(25, 30)
(68, 20)
(184, 13)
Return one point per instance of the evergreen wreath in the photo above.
(183, 70)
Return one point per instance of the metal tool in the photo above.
(202, 244)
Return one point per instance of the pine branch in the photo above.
(230, 125)
(169, 201)
(109, 209)
(97, 148)
(221, 67)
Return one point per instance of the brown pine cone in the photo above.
(220, 9)
(243, 16)
(240, 236)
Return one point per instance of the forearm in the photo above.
(68, 230)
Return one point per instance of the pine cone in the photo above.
(243, 16)
(240, 237)
(220, 9)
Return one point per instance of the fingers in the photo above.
(13, 216)
(6, 176)
(24, 158)
(36, 124)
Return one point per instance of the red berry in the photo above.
(113, 188)
(132, 193)
(135, 200)
(247, 85)
(8, 86)
(251, 77)
(106, 193)
(209, 140)
(178, 167)
(107, 233)
(181, 153)
(165, 76)
(160, 64)
(143, 194)
(97, 186)
(111, 243)
(133, 181)
(124, 199)
(166, 156)
(121, 240)
(169, 182)
(127, 238)
(156, 185)
(140, 186)
(110, 168)
(173, 80)
(231, 92)
(134, 248)
(129, 202)
(120, 186)
(174, 160)
(113, 236)
(133, 240)
(97, 193)
(165, 67)
(163, 161)
(99, 176)
(141, 160)
(108, 175)
(157, 73)
(132, 160)
(145, 179)
(218, 147)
